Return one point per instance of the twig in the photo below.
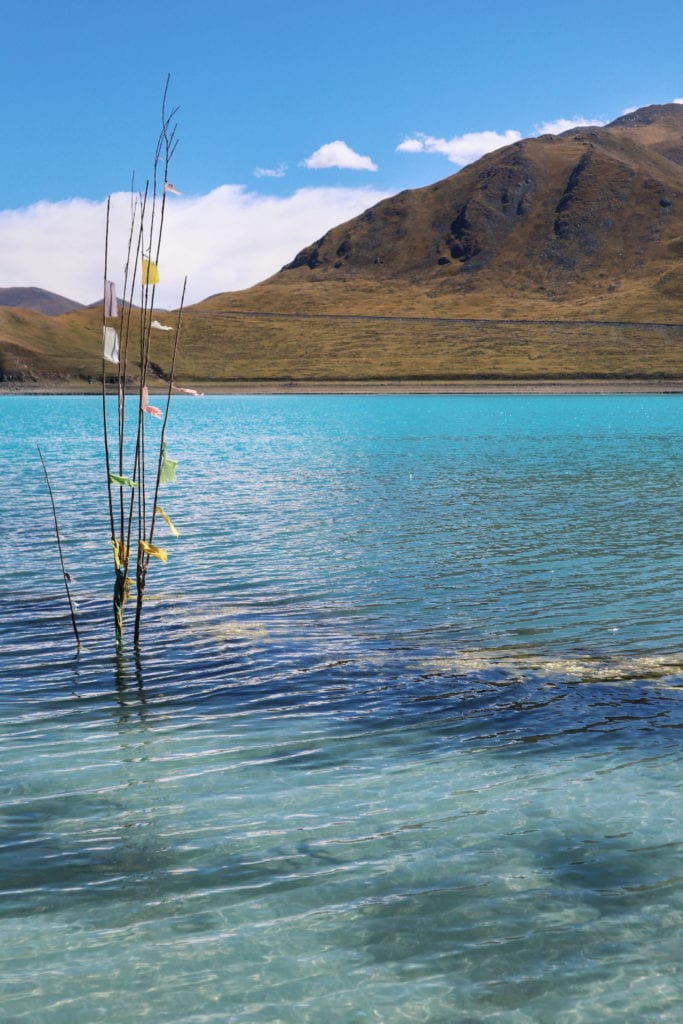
(65, 575)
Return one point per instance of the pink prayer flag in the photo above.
(146, 407)
(168, 187)
(188, 391)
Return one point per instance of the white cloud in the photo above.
(338, 154)
(271, 172)
(461, 149)
(465, 149)
(418, 144)
(677, 101)
(565, 124)
(226, 240)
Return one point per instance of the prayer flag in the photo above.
(167, 520)
(167, 468)
(146, 407)
(188, 391)
(168, 187)
(110, 339)
(122, 481)
(120, 553)
(159, 327)
(150, 272)
(152, 549)
(110, 305)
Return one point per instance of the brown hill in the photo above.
(592, 219)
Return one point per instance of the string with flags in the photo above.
(129, 512)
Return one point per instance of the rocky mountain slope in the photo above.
(38, 300)
(580, 216)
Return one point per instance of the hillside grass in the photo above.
(221, 349)
(290, 348)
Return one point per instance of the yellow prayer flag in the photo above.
(167, 520)
(150, 272)
(154, 551)
(120, 553)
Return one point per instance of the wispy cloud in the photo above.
(465, 149)
(565, 124)
(226, 240)
(677, 101)
(271, 172)
(338, 154)
(460, 149)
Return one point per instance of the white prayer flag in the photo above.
(110, 337)
(111, 308)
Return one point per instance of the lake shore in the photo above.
(584, 386)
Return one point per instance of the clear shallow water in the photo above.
(403, 740)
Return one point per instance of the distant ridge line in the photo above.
(648, 325)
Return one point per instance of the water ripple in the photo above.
(402, 738)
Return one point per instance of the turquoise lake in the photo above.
(402, 742)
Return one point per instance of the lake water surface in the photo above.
(402, 742)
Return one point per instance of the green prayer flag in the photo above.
(122, 481)
(167, 468)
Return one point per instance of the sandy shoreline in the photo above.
(588, 386)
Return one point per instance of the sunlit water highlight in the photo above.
(402, 743)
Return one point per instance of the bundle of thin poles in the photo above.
(136, 466)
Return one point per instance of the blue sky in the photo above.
(293, 116)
